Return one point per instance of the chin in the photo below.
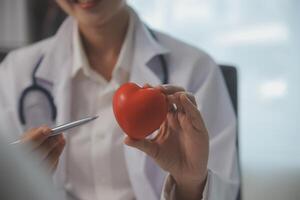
(92, 19)
(98, 15)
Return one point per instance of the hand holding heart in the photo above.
(182, 144)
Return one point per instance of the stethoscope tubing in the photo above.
(38, 88)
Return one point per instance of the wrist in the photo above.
(190, 188)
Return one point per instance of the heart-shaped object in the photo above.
(139, 110)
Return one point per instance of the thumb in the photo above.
(147, 146)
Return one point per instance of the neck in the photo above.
(103, 43)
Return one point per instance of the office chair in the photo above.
(230, 75)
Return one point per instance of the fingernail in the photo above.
(174, 107)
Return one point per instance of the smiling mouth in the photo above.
(86, 4)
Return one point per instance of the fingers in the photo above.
(190, 97)
(54, 155)
(173, 121)
(170, 89)
(49, 145)
(187, 114)
(177, 106)
(173, 93)
(192, 113)
(48, 148)
(54, 166)
(36, 136)
(148, 147)
(173, 103)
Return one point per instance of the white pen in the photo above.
(59, 129)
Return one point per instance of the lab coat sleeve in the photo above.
(170, 187)
(215, 106)
(218, 114)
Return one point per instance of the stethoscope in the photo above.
(36, 87)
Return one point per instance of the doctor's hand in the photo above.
(182, 144)
(47, 148)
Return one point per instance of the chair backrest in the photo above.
(231, 79)
(2, 55)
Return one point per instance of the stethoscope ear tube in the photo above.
(36, 87)
(42, 90)
(21, 105)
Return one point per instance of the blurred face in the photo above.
(92, 12)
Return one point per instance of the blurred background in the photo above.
(260, 38)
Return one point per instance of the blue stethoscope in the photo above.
(36, 87)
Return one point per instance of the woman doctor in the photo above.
(102, 45)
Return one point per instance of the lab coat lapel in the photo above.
(56, 70)
(147, 50)
(146, 177)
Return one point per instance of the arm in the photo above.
(47, 149)
(222, 182)
(181, 145)
(197, 179)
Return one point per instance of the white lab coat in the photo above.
(188, 67)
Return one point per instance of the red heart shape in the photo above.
(139, 111)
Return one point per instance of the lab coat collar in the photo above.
(146, 44)
(56, 67)
(146, 48)
(54, 64)
(124, 63)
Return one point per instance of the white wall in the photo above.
(262, 38)
(13, 24)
